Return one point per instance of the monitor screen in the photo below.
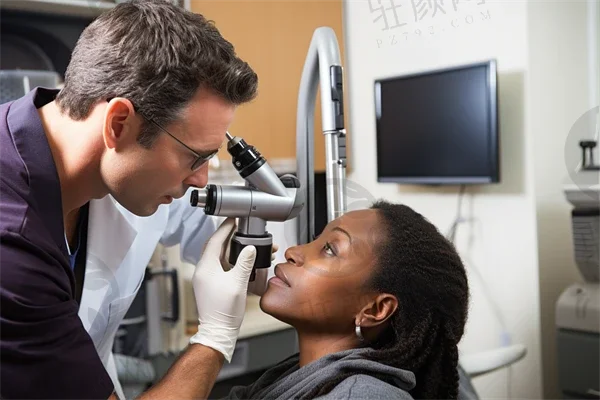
(438, 127)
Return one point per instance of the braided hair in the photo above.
(423, 270)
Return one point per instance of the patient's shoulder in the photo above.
(359, 387)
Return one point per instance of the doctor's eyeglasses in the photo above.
(200, 160)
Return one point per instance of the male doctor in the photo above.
(148, 96)
(122, 244)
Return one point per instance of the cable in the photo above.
(451, 236)
(458, 219)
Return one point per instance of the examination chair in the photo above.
(473, 365)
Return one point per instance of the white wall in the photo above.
(501, 245)
(559, 91)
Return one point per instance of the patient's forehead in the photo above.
(364, 224)
(369, 216)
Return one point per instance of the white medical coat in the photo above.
(120, 246)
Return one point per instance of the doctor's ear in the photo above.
(121, 123)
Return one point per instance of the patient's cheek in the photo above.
(334, 268)
(337, 307)
(320, 301)
(315, 310)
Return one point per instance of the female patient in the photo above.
(379, 302)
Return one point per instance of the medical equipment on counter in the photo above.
(578, 307)
(266, 197)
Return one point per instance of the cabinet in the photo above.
(578, 369)
(274, 37)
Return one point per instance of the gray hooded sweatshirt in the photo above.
(370, 379)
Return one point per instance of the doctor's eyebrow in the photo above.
(208, 152)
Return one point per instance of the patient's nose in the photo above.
(293, 255)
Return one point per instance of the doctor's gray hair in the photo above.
(157, 55)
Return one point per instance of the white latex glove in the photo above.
(259, 285)
(221, 295)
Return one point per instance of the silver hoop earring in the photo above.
(359, 334)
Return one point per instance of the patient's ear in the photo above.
(377, 311)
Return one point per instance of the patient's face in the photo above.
(326, 277)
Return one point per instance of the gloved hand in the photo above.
(259, 285)
(221, 295)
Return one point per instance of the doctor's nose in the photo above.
(198, 178)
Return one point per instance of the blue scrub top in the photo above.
(45, 352)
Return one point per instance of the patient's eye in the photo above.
(328, 249)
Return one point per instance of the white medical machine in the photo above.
(578, 308)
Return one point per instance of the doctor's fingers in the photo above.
(244, 265)
(219, 241)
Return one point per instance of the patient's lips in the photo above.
(280, 278)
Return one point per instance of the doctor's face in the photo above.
(141, 179)
(323, 283)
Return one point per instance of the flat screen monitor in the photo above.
(439, 127)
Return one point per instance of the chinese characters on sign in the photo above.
(384, 14)
(423, 7)
(403, 18)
